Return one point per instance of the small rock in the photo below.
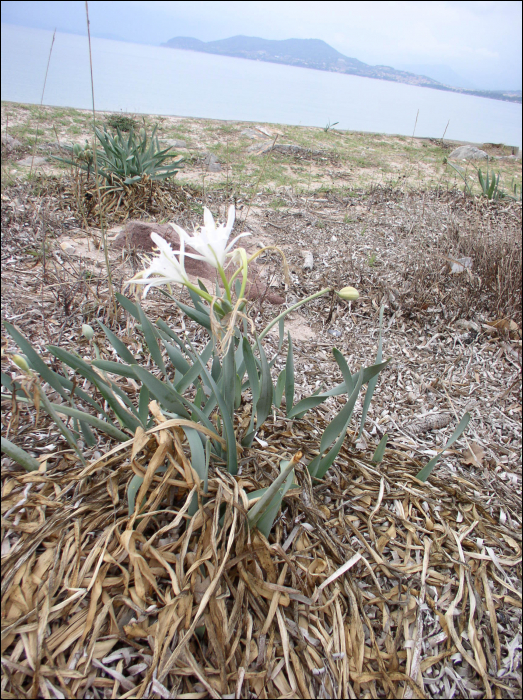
(10, 142)
(37, 160)
(334, 239)
(308, 263)
(260, 148)
(251, 134)
(460, 265)
(334, 332)
(467, 325)
(211, 161)
(173, 143)
(411, 397)
(67, 247)
(467, 153)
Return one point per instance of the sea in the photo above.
(145, 79)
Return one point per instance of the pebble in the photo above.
(334, 332)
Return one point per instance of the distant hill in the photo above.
(443, 74)
(317, 54)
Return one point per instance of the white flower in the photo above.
(211, 241)
(165, 264)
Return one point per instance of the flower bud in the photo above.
(87, 331)
(348, 294)
(20, 361)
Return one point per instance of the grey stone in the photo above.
(10, 142)
(37, 160)
(211, 161)
(173, 143)
(260, 147)
(460, 265)
(467, 153)
(251, 134)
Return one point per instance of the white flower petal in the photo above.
(231, 244)
(208, 219)
(230, 218)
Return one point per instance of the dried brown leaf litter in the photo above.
(372, 584)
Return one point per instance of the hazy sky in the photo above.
(480, 41)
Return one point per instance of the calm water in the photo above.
(155, 80)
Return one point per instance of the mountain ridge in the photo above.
(318, 55)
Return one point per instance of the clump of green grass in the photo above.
(121, 122)
(278, 203)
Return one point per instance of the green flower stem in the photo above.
(287, 311)
(199, 291)
(245, 271)
(225, 284)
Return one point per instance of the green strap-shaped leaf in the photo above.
(312, 401)
(35, 361)
(128, 305)
(377, 457)
(280, 388)
(259, 508)
(339, 424)
(216, 368)
(252, 373)
(197, 301)
(344, 368)
(8, 382)
(424, 474)
(230, 438)
(229, 379)
(61, 425)
(372, 382)
(89, 438)
(198, 459)
(320, 465)
(143, 405)
(78, 364)
(266, 521)
(195, 370)
(167, 396)
(120, 347)
(92, 420)
(264, 404)
(20, 456)
(165, 330)
(289, 376)
(177, 359)
(150, 338)
(201, 318)
(115, 368)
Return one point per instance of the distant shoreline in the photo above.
(326, 63)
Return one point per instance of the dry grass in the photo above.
(371, 584)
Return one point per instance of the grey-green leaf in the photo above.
(20, 456)
(380, 450)
(150, 338)
(424, 474)
(98, 423)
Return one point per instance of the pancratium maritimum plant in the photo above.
(203, 401)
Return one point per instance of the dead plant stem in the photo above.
(41, 103)
(102, 223)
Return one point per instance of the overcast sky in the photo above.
(480, 41)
